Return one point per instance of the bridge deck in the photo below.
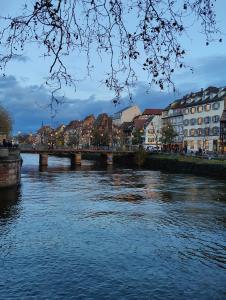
(72, 151)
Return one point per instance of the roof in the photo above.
(139, 123)
(211, 94)
(152, 111)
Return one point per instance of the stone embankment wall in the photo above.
(10, 167)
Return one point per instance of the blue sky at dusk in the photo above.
(23, 94)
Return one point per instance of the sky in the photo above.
(24, 96)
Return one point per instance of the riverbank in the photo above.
(175, 164)
(185, 164)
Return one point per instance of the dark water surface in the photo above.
(112, 234)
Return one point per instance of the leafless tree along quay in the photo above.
(131, 36)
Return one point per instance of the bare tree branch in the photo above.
(134, 34)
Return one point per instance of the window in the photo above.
(200, 131)
(215, 130)
(193, 121)
(186, 122)
(185, 132)
(200, 108)
(206, 145)
(151, 140)
(216, 119)
(207, 131)
(207, 120)
(200, 120)
(199, 143)
(216, 105)
(192, 110)
(186, 111)
(207, 107)
(150, 131)
(192, 144)
(192, 132)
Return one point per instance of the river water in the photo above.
(112, 233)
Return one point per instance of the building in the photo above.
(152, 132)
(196, 119)
(126, 115)
(73, 134)
(202, 116)
(173, 114)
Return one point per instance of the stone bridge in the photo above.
(75, 154)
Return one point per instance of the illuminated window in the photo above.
(207, 107)
(206, 145)
(192, 110)
(200, 108)
(192, 144)
(199, 143)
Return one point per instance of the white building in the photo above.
(126, 115)
(152, 132)
(202, 114)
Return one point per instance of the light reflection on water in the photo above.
(112, 234)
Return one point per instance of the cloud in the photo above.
(20, 58)
(28, 105)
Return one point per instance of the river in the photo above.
(112, 233)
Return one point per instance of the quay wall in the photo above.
(188, 165)
(10, 168)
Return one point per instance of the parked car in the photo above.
(152, 148)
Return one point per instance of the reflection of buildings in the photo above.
(9, 208)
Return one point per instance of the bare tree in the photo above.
(5, 122)
(133, 34)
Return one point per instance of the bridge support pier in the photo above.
(43, 160)
(109, 158)
(76, 159)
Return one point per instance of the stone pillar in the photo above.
(110, 158)
(76, 159)
(43, 160)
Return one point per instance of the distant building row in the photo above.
(198, 121)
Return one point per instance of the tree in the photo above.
(132, 34)
(5, 122)
(137, 137)
(168, 134)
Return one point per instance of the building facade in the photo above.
(202, 115)
(126, 115)
(152, 132)
(196, 118)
